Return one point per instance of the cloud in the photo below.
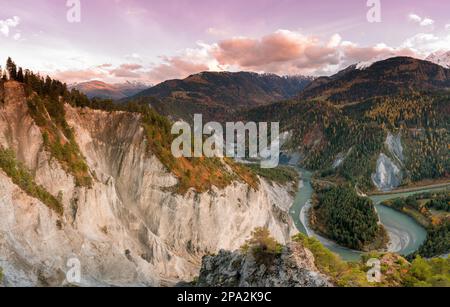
(415, 18)
(286, 52)
(424, 22)
(427, 22)
(127, 71)
(131, 66)
(353, 53)
(106, 65)
(425, 43)
(106, 72)
(447, 26)
(72, 76)
(281, 51)
(420, 39)
(175, 68)
(7, 24)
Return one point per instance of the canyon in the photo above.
(129, 228)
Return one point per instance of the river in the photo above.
(405, 234)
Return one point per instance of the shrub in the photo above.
(342, 273)
(263, 246)
(429, 273)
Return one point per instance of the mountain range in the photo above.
(100, 89)
(216, 94)
(389, 77)
(344, 124)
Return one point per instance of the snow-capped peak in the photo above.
(366, 64)
(441, 57)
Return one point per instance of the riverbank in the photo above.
(406, 236)
(436, 222)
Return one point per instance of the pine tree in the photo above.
(11, 69)
(20, 76)
(27, 77)
(47, 85)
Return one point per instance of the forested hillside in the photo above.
(394, 76)
(346, 139)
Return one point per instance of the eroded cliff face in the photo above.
(129, 228)
(389, 174)
(394, 145)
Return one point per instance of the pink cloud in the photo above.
(130, 66)
(71, 76)
(127, 71)
(106, 65)
(175, 68)
(287, 52)
(281, 51)
(354, 54)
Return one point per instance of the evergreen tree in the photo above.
(11, 69)
(20, 76)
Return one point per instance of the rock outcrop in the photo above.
(129, 228)
(293, 268)
(395, 147)
(388, 175)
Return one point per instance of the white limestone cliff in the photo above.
(128, 229)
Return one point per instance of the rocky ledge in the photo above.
(293, 267)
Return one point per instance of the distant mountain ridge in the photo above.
(105, 90)
(389, 77)
(215, 94)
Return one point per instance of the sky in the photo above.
(155, 40)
